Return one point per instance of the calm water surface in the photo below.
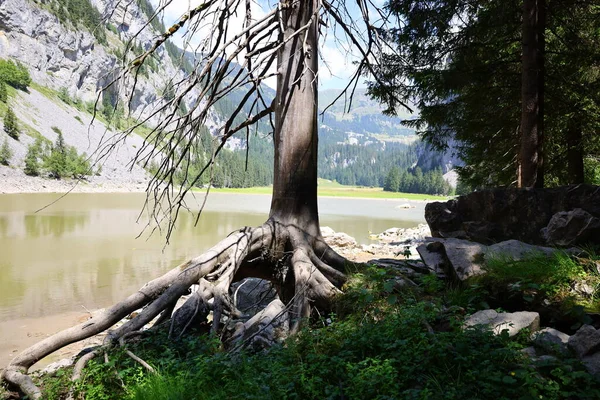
(83, 251)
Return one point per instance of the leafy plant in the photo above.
(3, 92)
(5, 153)
(14, 74)
(11, 126)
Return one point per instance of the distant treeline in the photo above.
(407, 181)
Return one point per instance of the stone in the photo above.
(55, 366)
(466, 258)
(340, 239)
(585, 341)
(552, 340)
(529, 351)
(269, 326)
(459, 259)
(592, 364)
(404, 206)
(569, 228)
(516, 250)
(513, 322)
(492, 216)
(251, 295)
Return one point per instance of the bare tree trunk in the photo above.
(295, 173)
(531, 172)
(575, 152)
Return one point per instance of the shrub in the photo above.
(3, 92)
(10, 124)
(5, 153)
(32, 163)
(15, 74)
(56, 162)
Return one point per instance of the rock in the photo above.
(458, 258)
(584, 289)
(55, 366)
(513, 322)
(569, 228)
(266, 328)
(552, 340)
(327, 231)
(340, 239)
(251, 295)
(585, 341)
(592, 364)
(404, 206)
(529, 351)
(492, 216)
(516, 250)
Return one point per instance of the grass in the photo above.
(380, 342)
(328, 188)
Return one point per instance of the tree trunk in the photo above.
(575, 152)
(295, 173)
(288, 249)
(531, 171)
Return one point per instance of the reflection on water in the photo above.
(83, 250)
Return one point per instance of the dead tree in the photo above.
(287, 249)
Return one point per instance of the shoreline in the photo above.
(98, 184)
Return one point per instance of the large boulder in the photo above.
(251, 295)
(512, 322)
(568, 228)
(492, 216)
(461, 259)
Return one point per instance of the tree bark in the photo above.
(295, 175)
(531, 171)
(575, 152)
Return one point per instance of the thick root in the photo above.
(311, 276)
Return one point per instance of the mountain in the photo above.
(74, 49)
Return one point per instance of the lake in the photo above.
(82, 252)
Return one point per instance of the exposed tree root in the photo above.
(304, 270)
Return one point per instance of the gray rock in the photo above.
(569, 228)
(55, 366)
(516, 250)
(552, 340)
(458, 258)
(492, 216)
(585, 341)
(529, 352)
(513, 322)
(341, 240)
(266, 328)
(592, 364)
(251, 295)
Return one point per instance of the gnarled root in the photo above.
(302, 267)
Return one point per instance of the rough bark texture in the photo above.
(575, 152)
(531, 173)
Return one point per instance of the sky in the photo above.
(335, 68)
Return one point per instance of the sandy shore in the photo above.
(15, 181)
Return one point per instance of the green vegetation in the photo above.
(468, 79)
(539, 280)
(431, 182)
(32, 163)
(58, 160)
(5, 153)
(332, 189)
(3, 92)
(11, 126)
(14, 74)
(80, 12)
(381, 341)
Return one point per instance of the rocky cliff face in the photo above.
(61, 56)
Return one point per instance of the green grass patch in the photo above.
(383, 341)
(334, 189)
